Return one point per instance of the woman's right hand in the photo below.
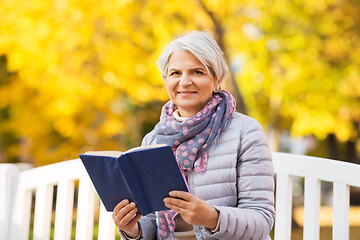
(126, 219)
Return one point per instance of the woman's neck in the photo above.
(177, 116)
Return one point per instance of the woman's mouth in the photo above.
(186, 93)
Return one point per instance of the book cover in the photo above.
(142, 175)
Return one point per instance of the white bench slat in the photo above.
(312, 209)
(42, 180)
(20, 221)
(42, 218)
(64, 209)
(85, 210)
(284, 186)
(8, 180)
(106, 225)
(341, 198)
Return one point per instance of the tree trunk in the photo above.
(230, 81)
(351, 152)
(332, 146)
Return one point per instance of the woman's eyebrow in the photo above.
(173, 68)
(198, 68)
(192, 68)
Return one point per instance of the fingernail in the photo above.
(133, 204)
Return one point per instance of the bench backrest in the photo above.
(40, 182)
(314, 170)
(66, 176)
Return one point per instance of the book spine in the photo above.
(132, 175)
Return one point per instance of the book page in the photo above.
(118, 153)
(145, 147)
(104, 153)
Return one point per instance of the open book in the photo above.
(144, 175)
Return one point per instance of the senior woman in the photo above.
(223, 155)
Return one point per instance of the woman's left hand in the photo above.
(192, 209)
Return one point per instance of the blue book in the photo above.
(144, 175)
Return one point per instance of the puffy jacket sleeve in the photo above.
(254, 216)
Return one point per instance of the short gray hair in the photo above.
(203, 47)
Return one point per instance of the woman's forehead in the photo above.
(184, 58)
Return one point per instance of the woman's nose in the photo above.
(185, 80)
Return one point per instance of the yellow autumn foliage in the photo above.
(79, 75)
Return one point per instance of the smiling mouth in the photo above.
(186, 93)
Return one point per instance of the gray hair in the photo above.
(203, 47)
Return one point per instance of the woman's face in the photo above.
(188, 83)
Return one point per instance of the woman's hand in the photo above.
(192, 209)
(125, 218)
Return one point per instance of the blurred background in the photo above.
(80, 75)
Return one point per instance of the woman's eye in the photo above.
(174, 73)
(198, 72)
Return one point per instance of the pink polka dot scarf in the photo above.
(190, 140)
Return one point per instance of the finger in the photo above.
(175, 203)
(119, 210)
(126, 219)
(135, 220)
(181, 194)
(120, 205)
(174, 207)
(123, 212)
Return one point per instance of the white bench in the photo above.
(42, 180)
(66, 175)
(314, 170)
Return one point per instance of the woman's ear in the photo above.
(217, 85)
(216, 89)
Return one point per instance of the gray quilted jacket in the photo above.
(238, 182)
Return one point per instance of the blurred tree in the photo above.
(86, 75)
(301, 69)
(8, 138)
(219, 34)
